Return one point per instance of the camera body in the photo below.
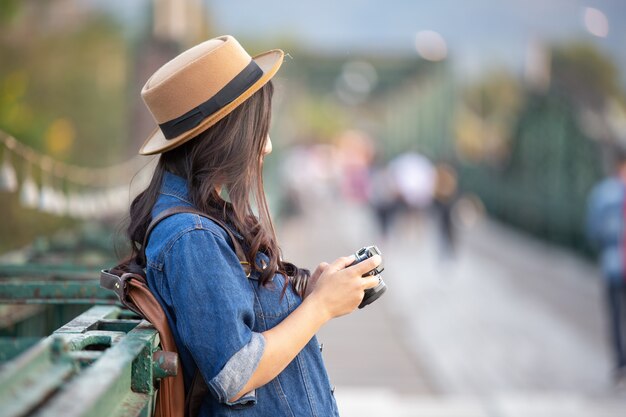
(371, 294)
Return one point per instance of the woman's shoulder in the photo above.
(175, 228)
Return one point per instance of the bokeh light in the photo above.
(596, 22)
(431, 45)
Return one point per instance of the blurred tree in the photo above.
(63, 91)
(8, 10)
(584, 74)
(71, 74)
(487, 117)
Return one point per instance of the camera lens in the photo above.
(371, 294)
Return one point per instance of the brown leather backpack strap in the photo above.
(171, 398)
(119, 284)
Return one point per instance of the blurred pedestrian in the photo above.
(243, 319)
(355, 151)
(606, 219)
(445, 196)
(384, 198)
(414, 176)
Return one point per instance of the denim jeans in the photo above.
(616, 305)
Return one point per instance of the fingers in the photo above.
(370, 282)
(341, 263)
(367, 265)
(323, 266)
(320, 270)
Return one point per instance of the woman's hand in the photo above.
(337, 288)
(310, 286)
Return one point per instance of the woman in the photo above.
(240, 322)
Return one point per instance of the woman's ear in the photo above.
(268, 145)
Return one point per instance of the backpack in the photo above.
(134, 294)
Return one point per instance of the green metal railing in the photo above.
(67, 348)
(35, 301)
(48, 283)
(66, 291)
(105, 362)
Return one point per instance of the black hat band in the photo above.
(235, 87)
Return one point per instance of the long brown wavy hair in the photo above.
(228, 155)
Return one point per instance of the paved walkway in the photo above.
(509, 327)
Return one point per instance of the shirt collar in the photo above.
(175, 186)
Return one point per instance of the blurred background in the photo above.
(463, 139)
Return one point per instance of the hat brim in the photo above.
(269, 62)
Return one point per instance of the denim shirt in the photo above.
(605, 226)
(217, 314)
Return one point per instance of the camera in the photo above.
(371, 294)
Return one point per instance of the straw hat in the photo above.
(200, 86)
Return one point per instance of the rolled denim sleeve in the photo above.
(214, 308)
(230, 380)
